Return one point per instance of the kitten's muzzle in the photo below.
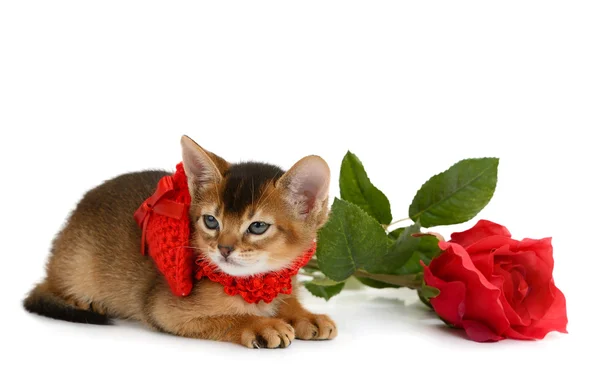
(225, 250)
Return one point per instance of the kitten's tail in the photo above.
(43, 302)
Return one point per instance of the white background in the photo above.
(89, 90)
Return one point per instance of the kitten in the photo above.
(96, 271)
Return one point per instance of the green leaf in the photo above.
(356, 187)
(324, 288)
(350, 240)
(310, 270)
(396, 233)
(375, 284)
(429, 292)
(353, 284)
(457, 194)
(413, 281)
(325, 282)
(413, 264)
(424, 300)
(407, 251)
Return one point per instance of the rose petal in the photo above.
(440, 265)
(484, 262)
(480, 332)
(521, 287)
(512, 316)
(482, 302)
(483, 229)
(536, 273)
(555, 318)
(538, 298)
(491, 244)
(512, 333)
(501, 274)
(542, 248)
(449, 304)
(444, 245)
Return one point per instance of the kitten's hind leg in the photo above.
(86, 305)
(42, 301)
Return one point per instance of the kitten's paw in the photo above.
(315, 327)
(268, 333)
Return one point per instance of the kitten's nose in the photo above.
(225, 250)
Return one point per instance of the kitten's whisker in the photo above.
(187, 247)
(269, 195)
(252, 193)
(275, 259)
(261, 196)
(216, 189)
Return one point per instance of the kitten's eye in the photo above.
(211, 222)
(258, 227)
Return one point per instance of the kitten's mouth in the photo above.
(229, 262)
(239, 267)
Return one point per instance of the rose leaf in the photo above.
(407, 251)
(356, 187)
(395, 233)
(350, 240)
(429, 292)
(324, 287)
(457, 194)
(375, 284)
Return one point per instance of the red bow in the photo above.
(158, 204)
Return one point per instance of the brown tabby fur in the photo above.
(96, 272)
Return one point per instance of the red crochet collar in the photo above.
(165, 233)
(257, 287)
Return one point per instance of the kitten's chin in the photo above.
(238, 268)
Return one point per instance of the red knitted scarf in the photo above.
(165, 223)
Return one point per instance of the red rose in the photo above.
(495, 287)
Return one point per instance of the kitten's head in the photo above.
(252, 218)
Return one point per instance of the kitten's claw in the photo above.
(268, 333)
(315, 327)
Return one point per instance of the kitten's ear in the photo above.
(306, 184)
(201, 166)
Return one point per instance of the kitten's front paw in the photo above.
(268, 333)
(314, 327)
